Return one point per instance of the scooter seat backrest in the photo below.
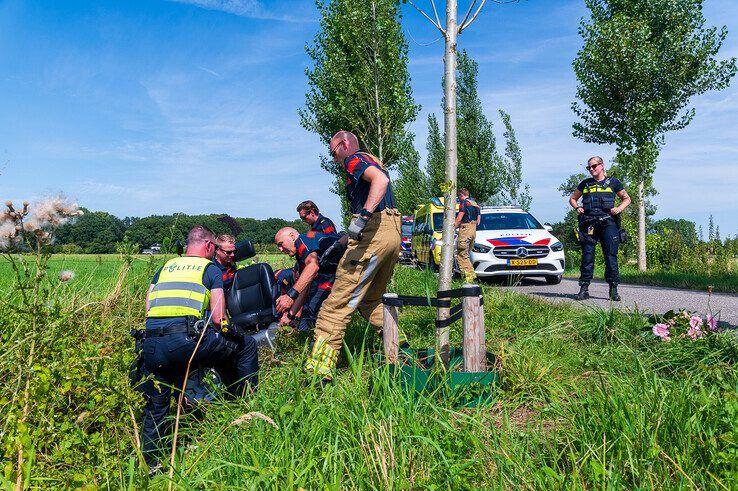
(250, 301)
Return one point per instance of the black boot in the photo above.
(583, 293)
(614, 296)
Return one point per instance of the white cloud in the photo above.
(252, 9)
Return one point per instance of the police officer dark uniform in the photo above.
(183, 292)
(467, 220)
(599, 222)
(314, 281)
(367, 265)
(310, 214)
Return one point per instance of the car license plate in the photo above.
(522, 262)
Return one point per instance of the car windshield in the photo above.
(505, 221)
(438, 221)
(407, 229)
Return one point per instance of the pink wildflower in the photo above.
(695, 333)
(712, 322)
(695, 322)
(662, 331)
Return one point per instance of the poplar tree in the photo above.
(514, 190)
(359, 82)
(641, 64)
(480, 167)
(411, 186)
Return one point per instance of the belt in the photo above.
(163, 331)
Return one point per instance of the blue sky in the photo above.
(150, 107)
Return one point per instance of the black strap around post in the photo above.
(442, 300)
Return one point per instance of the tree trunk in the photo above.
(641, 226)
(449, 212)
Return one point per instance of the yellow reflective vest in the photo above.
(179, 290)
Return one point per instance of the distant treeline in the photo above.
(98, 232)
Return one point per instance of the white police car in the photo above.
(510, 241)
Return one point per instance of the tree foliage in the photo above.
(489, 176)
(94, 232)
(411, 188)
(641, 64)
(513, 188)
(359, 81)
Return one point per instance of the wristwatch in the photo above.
(292, 293)
(291, 316)
(365, 213)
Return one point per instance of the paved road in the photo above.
(646, 298)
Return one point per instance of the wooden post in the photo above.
(390, 330)
(475, 349)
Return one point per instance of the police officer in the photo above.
(225, 251)
(366, 266)
(183, 292)
(599, 221)
(467, 220)
(310, 214)
(314, 282)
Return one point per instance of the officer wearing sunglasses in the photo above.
(599, 222)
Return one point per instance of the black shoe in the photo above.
(614, 296)
(583, 293)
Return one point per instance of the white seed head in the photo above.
(66, 275)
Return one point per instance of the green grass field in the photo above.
(726, 283)
(587, 399)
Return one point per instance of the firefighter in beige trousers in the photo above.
(467, 220)
(367, 265)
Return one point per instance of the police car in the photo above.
(511, 242)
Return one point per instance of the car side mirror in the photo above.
(548, 227)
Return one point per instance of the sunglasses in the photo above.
(333, 150)
(230, 252)
(591, 167)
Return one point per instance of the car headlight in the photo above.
(481, 248)
(557, 247)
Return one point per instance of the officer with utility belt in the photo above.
(367, 265)
(183, 294)
(599, 221)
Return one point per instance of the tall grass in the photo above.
(586, 400)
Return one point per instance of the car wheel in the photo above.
(553, 280)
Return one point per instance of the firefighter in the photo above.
(225, 251)
(310, 214)
(599, 221)
(467, 220)
(184, 293)
(314, 281)
(367, 265)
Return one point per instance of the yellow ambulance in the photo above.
(427, 233)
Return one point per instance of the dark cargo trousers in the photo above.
(608, 235)
(166, 357)
(361, 280)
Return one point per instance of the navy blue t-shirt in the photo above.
(226, 273)
(317, 242)
(211, 278)
(470, 209)
(324, 224)
(357, 189)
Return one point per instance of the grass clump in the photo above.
(587, 399)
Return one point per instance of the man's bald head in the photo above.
(285, 239)
(343, 144)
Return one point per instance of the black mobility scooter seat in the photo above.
(251, 298)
